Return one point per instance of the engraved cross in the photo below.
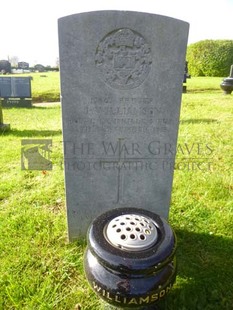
(121, 160)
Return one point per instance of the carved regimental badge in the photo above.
(124, 58)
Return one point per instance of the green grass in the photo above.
(45, 86)
(39, 269)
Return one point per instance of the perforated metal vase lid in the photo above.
(131, 232)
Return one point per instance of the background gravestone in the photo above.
(121, 86)
(39, 68)
(16, 91)
(23, 65)
(3, 127)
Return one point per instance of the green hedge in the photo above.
(210, 58)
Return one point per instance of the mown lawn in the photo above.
(39, 269)
(45, 86)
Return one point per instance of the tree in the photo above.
(5, 66)
(14, 61)
(210, 57)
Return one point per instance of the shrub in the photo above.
(210, 58)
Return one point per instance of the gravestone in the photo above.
(23, 65)
(16, 91)
(121, 86)
(39, 68)
(3, 127)
(186, 76)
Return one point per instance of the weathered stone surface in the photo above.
(3, 127)
(121, 85)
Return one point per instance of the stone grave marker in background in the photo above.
(3, 127)
(121, 86)
(23, 65)
(16, 91)
(39, 68)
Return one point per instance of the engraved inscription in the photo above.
(123, 115)
(124, 58)
(119, 124)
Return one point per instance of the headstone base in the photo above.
(4, 127)
(17, 102)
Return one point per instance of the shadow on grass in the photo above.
(33, 133)
(202, 90)
(197, 121)
(205, 273)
